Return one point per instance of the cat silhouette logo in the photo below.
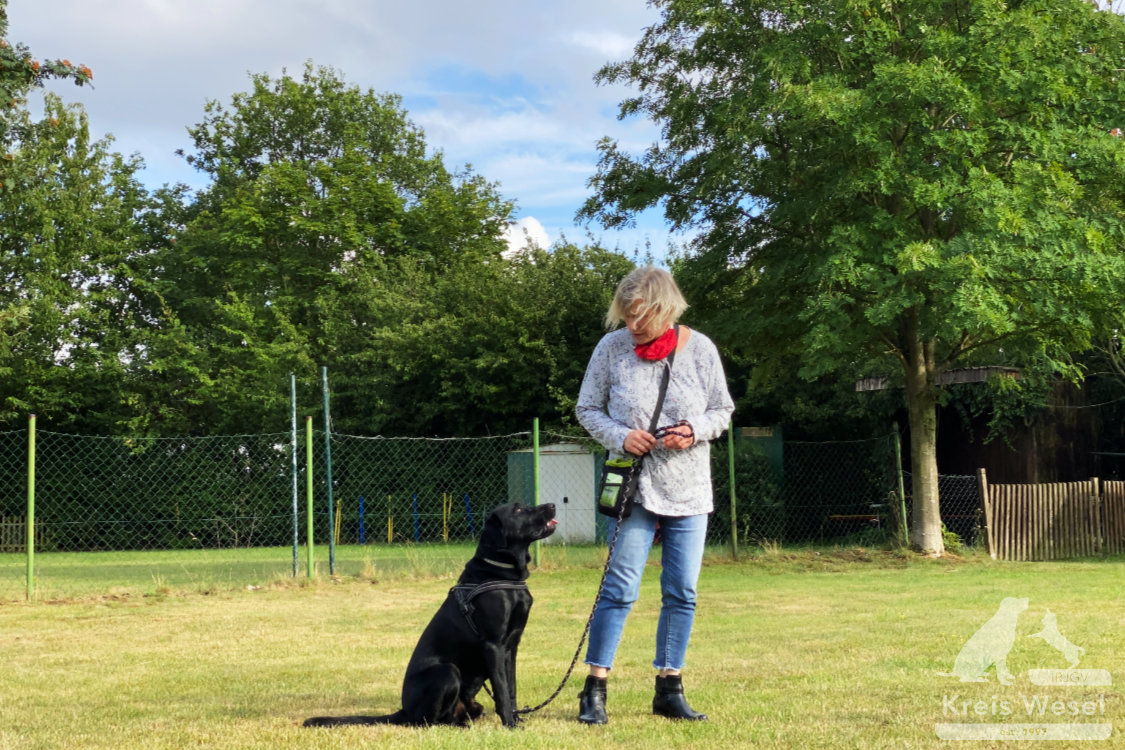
(1050, 633)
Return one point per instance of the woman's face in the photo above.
(644, 328)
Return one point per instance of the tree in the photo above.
(919, 183)
(320, 193)
(20, 72)
(67, 238)
(480, 349)
(44, 253)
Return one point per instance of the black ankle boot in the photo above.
(591, 702)
(669, 700)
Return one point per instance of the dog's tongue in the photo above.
(552, 523)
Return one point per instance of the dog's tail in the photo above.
(340, 721)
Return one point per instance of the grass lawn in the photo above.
(836, 649)
(66, 575)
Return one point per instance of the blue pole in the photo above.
(362, 528)
(469, 515)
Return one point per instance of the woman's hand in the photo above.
(639, 442)
(677, 437)
(677, 443)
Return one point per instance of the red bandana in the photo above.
(658, 348)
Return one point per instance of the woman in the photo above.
(615, 405)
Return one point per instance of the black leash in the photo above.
(589, 620)
(659, 433)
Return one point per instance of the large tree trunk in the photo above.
(921, 404)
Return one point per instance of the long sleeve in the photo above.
(619, 393)
(592, 408)
(713, 421)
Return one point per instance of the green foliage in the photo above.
(20, 72)
(329, 235)
(324, 199)
(69, 237)
(918, 185)
(479, 349)
(1007, 403)
(952, 541)
(67, 242)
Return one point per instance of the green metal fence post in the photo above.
(733, 495)
(535, 477)
(328, 475)
(901, 487)
(309, 491)
(293, 425)
(31, 506)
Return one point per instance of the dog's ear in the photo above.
(493, 536)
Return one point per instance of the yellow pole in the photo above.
(445, 517)
(336, 526)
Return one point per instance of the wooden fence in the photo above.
(1113, 517)
(13, 534)
(1053, 521)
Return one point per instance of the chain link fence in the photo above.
(13, 500)
(417, 490)
(961, 508)
(799, 493)
(104, 493)
(252, 492)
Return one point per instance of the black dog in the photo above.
(475, 633)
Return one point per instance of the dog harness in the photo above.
(464, 594)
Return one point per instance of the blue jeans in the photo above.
(681, 559)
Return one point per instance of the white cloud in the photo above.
(524, 234)
(506, 85)
(609, 45)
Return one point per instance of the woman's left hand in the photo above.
(678, 442)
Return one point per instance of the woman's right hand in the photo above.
(639, 442)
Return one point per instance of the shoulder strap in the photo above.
(664, 384)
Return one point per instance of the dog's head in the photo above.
(508, 531)
(515, 526)
(1011, 606)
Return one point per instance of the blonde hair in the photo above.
(657, 292)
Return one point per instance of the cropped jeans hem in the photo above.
(683, 539)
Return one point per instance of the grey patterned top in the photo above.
(619, 394)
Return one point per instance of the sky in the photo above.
(506, 86)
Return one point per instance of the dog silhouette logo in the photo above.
(989, 646)
(1051, 635)
(1039, 715)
